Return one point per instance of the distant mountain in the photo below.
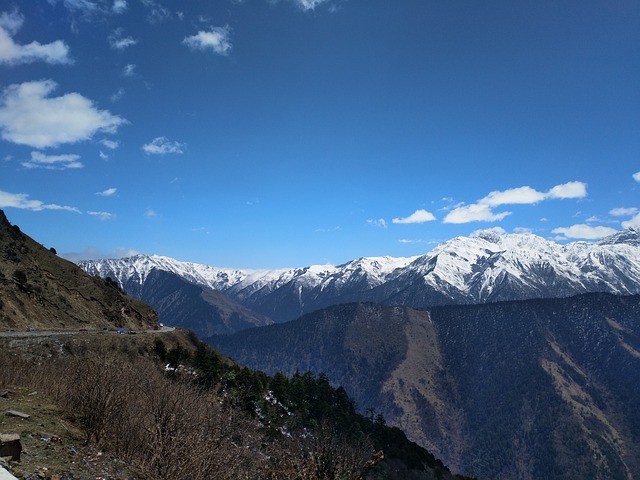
(524, 389)
(202, 309)
(486, 267)
(40, 290)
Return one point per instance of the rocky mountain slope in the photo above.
(525, 389)
(486, 267)
(40, 290)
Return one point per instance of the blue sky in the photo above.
(263, 134)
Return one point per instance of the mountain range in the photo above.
(486, 267)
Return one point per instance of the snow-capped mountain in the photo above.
(485, 267)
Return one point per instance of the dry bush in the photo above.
(167, 428)
(324, 454)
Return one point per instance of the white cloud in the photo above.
(377, 222)
(110, 144)
(84, 6)
(12, 53)
(482, 210)
(309, 4)
(119, 6)
(102, 215)
(622, 212)
(636, 176)
(28, 116)
(103, 156)
(583, 231)
(118, 42)
(521, 195)
(108, 192)
(407, 240)
(53, 162)
(522, 230)
(162, 146)
(568, 190)
(216, 40)
(129, 70)
(419, 216)
(634, 222)
(150, 213)
(21, 200)
(592, 219)
(476, 212)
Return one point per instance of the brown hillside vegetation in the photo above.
(40, 290)
(104, 406)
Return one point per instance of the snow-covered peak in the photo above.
(487, 266)
(628, 236)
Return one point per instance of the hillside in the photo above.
(526, 389)
(160, 404)
(484, 268)
(40, 290)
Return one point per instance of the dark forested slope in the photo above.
(527, 389)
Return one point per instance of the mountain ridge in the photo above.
(485, 267)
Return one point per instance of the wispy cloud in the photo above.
(28, 116)
(377, 222)
(622, 212)
(163, 146)
(309, 4)
(53, 162)
(157, 13)
(110, 144)
(108, 192)
(118, 42)
(215, 40)
(12, 53)
(119, 6)
(636, 176)
(150, 213)
(410, 241)
(117, 95)
(582, 231)
(419, 216)
(102, 215)
(129, 70)
(22, 201)
(482, 210)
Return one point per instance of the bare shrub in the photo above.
(323, 454)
